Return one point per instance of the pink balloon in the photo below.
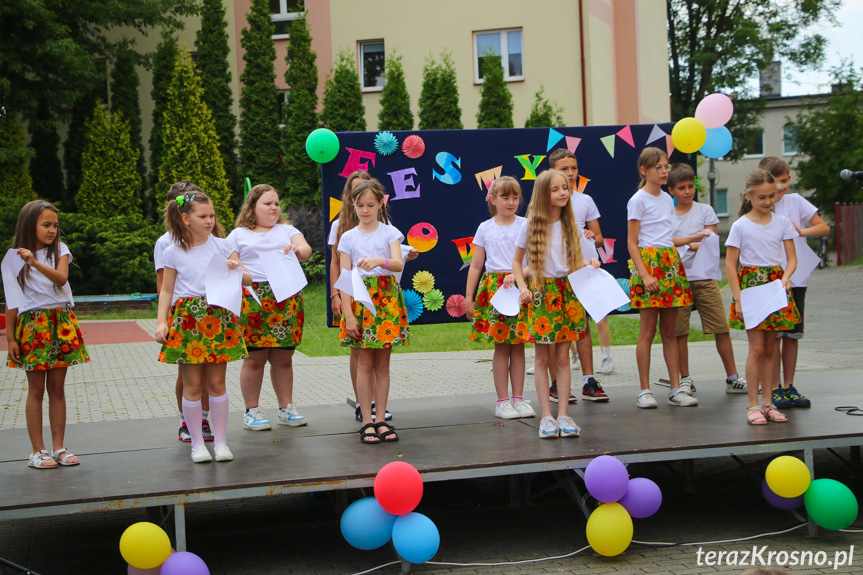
(714, 110)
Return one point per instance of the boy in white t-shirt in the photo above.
(799, 210)
(690, 217)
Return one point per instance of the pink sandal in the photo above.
(755, 416)
(773, 414)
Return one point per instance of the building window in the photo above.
(755, 146)
(722, 202)
(503, 43)
(789, 141)
(372, 65)
(282, 12)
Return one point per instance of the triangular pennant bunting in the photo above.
(582, 184)
(335, 208)
(655, 134)
(669, 145)
(572, 143)
(626, 135)
(553, 137)
(386, 198)
(608, 142)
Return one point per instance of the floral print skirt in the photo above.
(488, 324)
(665, 266)
(555, 315)
(389, 327)
(49, 338)
(782, 320)
(272, 323)
(200, 333)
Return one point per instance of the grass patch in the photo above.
(127, 315)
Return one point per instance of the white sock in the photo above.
(586, 377)
(503, 400)
(606, 352)
(205, 414)
(182, 418)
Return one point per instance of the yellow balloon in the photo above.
(688, 135)
(609, 529)
(145, 545)
(787, 476)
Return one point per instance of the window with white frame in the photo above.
(789, 141)
(282, 12)
(755, 146)
(503, 43)
(372, 65)
(722, 202)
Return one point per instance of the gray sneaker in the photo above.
(567, 427)
(548, 428)
(645, 400)
(680, 398)
(606, 367)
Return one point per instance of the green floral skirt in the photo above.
(273, 323)
(782, 320)
(488, 324)
(389, 327)
(555, 315)
(200, 333)
(665, 266)
(49, 338)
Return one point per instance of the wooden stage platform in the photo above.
(140, 463)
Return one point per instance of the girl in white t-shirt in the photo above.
(494, 246)
(555, 317)
(347, 219)
(201, 338)
(272, 329)
(657, 282)
(756, 244)
(373, 247)
(43, 335)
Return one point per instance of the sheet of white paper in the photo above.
(224, 285)
(807, 261)
(351, 282)
(252, 294)
(682, 250)
(12, 264)
(706, 261)
(588, 248)
(597, 291)
(284, 273)
(505, 301)
(760, 301)
(405, 251)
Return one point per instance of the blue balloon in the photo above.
(366, 525)
(415, 537)
(718, 142)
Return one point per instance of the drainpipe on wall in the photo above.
(583, 71)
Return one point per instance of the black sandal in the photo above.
(364, 435)
(389, 435)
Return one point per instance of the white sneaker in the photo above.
(201, 455)
(505, 410)
(288, 415)
(575, 363)
(523, 408)
(737, 385)
(645, 400)
(687, 386)
(255, 420)
(531, 370)
(678, 397)
(223, 453)
(548, 428)
(567, 427)
(606, 367)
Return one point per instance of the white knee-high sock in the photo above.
(219, 417)
(192, 413)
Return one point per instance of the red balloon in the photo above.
(398, 487)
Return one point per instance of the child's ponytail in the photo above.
(753, 180)
(182, 203)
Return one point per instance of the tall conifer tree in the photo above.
(163, 70)
(495, 104)
(124, 99)
(438, 105)
(15, 181)
(343, 97)
(395, 112)
(45, 168)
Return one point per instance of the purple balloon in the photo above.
(606, 479)
(643, 498)
(783, 503)
(184, 563)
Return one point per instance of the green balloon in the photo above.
(322, 145)
(830, 504)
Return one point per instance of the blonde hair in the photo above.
(776, 166)
(753, 180)
(174, 219)
(503, 187)
(648, 158)
(348, 215)
(246, 217)
(539, 234)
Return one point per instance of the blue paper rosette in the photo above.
(414, 304)
(386, 143)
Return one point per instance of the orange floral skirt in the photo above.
(665, 266)
(488, 324)
(555, 315)
(390, 326)
(201, 333)
(782, 320)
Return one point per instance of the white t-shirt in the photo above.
(499, 243)
(555, 260)
(192, 265)
(250, 245)
(39, 292)
(696, 219)
(761, 245)
(373, 245)
(162, 243)
(796, 208)
(584, 208)
(334, 232)
(654, 213)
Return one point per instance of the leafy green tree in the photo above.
(343, 97)
(718, 46)
(395, 112)
(495, 103)
(544, 114)
(302, 174)
(111, 184)
(260, 160)
(438, 104)
(124, 99)
(45, 168)
(212, 63)
(163, 71)
(191, 149)
(15, 181)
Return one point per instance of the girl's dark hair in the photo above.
(183, 204)
(246, 217)
(503, 187)
(348, 215)
(25, 236)
(648, 158)
(753, 180)
(377, 190)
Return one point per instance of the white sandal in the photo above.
(64, 460)
(42, 460)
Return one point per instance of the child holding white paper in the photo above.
(43, 335)
(374, 248)
(690, 219)
(271, 329)
(555, 317)
(756, 243)
(201, 338)
(494, 247)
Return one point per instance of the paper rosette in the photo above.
(386, 143)
(414, 304)
(423, 281)
(413, 147)
(456, 305)
(433, 300)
